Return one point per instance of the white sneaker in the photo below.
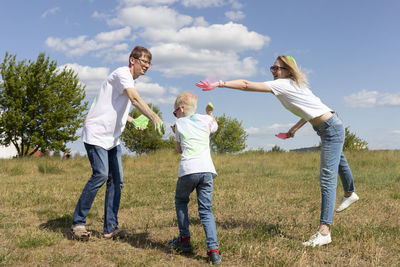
(318, 240)
(347, 201)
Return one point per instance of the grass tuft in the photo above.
(50, 167)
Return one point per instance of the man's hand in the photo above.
(159, 126)
(140, 123)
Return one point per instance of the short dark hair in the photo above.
(139, 51)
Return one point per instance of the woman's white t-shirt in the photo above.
(193, 132)
(300, 101)
(107, 117)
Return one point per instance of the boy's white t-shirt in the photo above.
(107, 117)
(193, 132)
(300, 101)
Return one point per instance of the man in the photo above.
(104, 124)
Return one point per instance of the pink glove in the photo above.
(282, 135)
(207, 86)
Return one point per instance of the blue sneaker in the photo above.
(214, 256)
(181, 243)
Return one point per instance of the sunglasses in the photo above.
(176, 110)
(275, 68)
(144, 62)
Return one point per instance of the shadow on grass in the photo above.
(62, 224)
(137, 240)
(142, 241)
(256, 229)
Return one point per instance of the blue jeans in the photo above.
(203, 183)
(106, 166)
(333, 161)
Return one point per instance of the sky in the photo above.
(349, 50)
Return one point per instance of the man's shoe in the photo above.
(318, 240)
(214, 256)
(181, 243)
(79, 232)
(116, 234)
(347, 201)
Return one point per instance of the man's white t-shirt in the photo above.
(193, 132)
(300, 101)
(107, 117)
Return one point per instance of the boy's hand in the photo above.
(173, 128)
(209, 108)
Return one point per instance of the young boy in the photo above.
(196, 171)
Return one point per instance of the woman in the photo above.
(290, 86)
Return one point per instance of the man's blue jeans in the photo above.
(333, 161)
(106, 166)
(203, 183)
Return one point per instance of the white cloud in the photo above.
(277, 128)
(50, 11)
(176, 60)
(203, 3)
(230, 36)
(200, 21)
(396, 131)
(113, 36)
(369, 99)
(147, 2)
(174, 90)
(81, 45)
(235, 15)
(151, 17)
(389, 100)
(362, 99)
(154, 93)
(235, 4)
(89, 76)
(268, 130)
(98, 15)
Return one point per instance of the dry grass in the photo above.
(265, 205)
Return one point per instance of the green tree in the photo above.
(41, 105)
(143, 141)
(230, 136)
(276, 148)
(353, 142)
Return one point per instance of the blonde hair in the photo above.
(188, 101)
(294, 71)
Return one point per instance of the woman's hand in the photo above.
(207, 86)
(291, 132)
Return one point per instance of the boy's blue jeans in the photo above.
(106, 166)
(333, 161)
(203, 183)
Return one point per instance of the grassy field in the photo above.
(265, 204)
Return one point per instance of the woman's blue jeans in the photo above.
(106, 166)
(333, 161)
(203, 183)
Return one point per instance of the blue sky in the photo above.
(349, 50)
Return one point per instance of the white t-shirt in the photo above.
(193, 132)
(300, 101)
(107, 117)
